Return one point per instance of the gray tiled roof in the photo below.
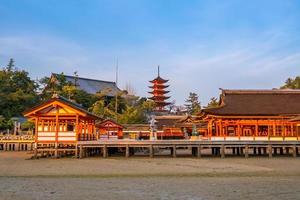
(92, 86)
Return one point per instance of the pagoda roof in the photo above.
(159, 91)
(158, 79)
(162, 103)
(158, 86)
(257, 103)
(156, 98)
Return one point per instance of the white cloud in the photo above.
(202, 67)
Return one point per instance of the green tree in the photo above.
(292, 83)
(17, 91)
(193, 105)
(213, 103)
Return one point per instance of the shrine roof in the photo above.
(257, 102)
(62, 100)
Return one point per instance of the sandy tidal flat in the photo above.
(145, 178)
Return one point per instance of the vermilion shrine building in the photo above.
(254, 115)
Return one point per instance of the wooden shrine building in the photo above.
(60, 122)
(109, 129)
(255, 115)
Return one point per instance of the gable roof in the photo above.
(61, 100)
(257, 102)
(92, 86)
(109, 121)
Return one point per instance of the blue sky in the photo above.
(201, 46)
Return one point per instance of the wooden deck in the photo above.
(16, 145)
(217, 148)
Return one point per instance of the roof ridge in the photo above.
(261, 91)
(85, 78)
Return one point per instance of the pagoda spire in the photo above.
(158, 71)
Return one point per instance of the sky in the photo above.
(201, 46)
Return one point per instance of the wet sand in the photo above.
(145, 178)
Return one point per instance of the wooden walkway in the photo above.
(16, 145)
(216, 148)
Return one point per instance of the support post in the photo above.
(56, 151)
(270, 150)
(104, 151)
(199, 151)
(247, 151)
(223, 151)
(76, 151)
(80, 152)
(35, 151)
(294, 151)
(127, 151)
(151, 151)
(174, 151)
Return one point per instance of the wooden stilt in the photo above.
(174, 151)
(127, 151)
(151, 151)
(76, 151)
(270, 150)
(199, 151)
(56, 151)
(246, 151)
(80, 152)
(223, 151)
(104, 151)
(294, 151)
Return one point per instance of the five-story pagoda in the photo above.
(158, 93)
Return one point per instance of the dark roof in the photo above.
(92, 86)
(65, 101)
(102, 123)
(257, 102)
(159, 80)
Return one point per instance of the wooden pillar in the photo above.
(238, 130)
(256, 129)
(199, 151)
(223, 151)
(80, 152)
(105, 151)
(127, 151)
(17, 146)
(246, 151)
(270, 150)
(294, 151)
(174, 151)
(35, 151)
(274, 128)
(76, 151)
(151, 151)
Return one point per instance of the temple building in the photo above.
(60, 122)
(254, 115)
(159, 93)
(91, 86)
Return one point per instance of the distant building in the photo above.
(91, 86)
(159, 93)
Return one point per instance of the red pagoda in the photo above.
(158, 92)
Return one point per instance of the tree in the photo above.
(17, 91)
(291, 83)
(193, 105)
(10, 66)
(213, 103)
